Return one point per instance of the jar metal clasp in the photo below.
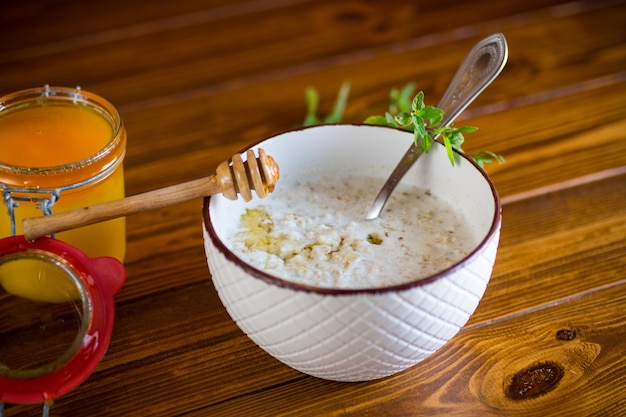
(43, 199)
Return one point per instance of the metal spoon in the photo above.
(479, 68)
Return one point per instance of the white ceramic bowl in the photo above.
(364, 334)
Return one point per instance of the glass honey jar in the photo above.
(62, 149)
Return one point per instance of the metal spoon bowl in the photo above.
(479, 68)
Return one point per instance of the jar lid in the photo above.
(56, 316)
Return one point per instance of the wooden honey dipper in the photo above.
(231, 178)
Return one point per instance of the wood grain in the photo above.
(471, 375)
(196, 81)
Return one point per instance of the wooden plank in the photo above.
(476, 372)
(193, 360)
(39, 18)
(188, 141)
(199, 132)
(34, 27)
(189, 138)
(584, 136)
(186, 354)
(212, 55)
(551, 245)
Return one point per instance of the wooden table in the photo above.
(197, 81)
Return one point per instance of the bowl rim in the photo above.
(281, 282)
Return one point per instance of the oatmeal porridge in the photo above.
(314, 232)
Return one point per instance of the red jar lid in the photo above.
(56, 316)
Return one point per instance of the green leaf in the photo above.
(404, 118)
(418, 124)
(448, 145)
(427, 142)
(419, 141)
(404, 97)
(466, 129)
(418, 102)
(391, 121)
(312, 100)
(483, 157)
(456, 138)
(410, 114)
(394, 100)
(377, 120)
(336, 115)
(433, 114)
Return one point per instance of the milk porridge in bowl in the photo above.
(314, 233)
(336, 296)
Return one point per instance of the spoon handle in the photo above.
(479, 68)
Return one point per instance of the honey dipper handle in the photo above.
(36, 227)
(232, 178)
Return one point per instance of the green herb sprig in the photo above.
(407, 112)
(335, 116)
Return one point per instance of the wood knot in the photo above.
(535, 380)
(566, 334)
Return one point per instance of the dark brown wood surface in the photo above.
(197, 81)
